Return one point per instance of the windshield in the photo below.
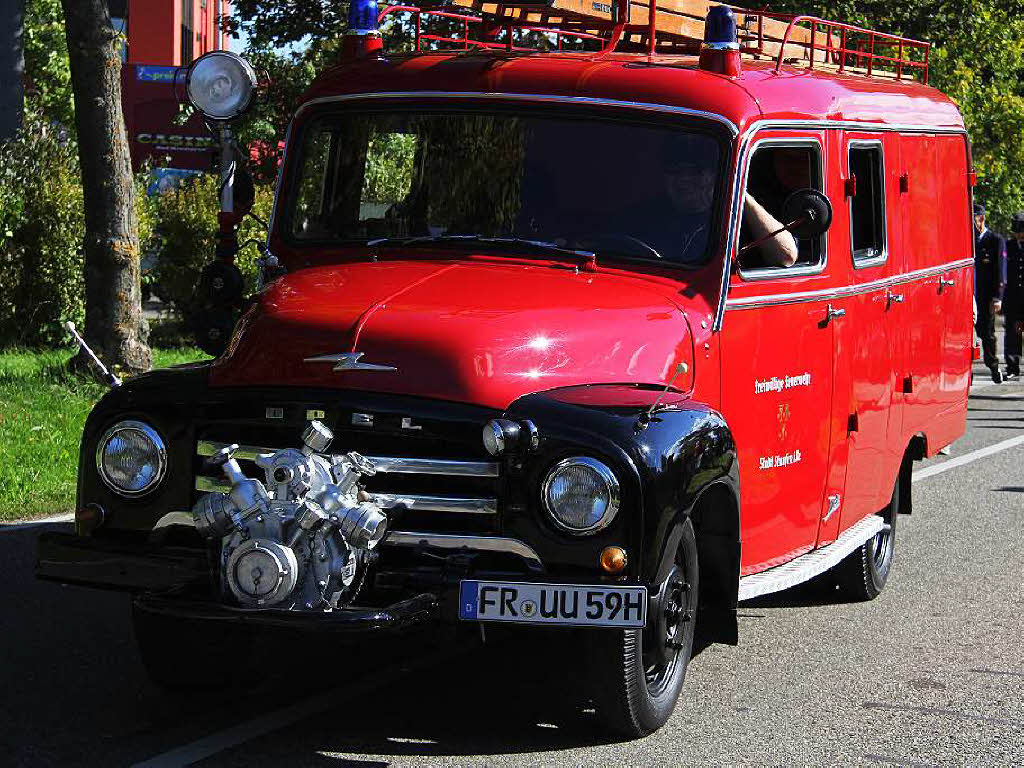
(614, 188)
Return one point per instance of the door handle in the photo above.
(831, 313)
(833, 507)
(944, 283)
(893, 298)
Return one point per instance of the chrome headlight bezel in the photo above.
(239, 74)
(604, 472)
(159, 447)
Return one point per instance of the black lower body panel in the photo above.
(393, 618)
(123, 566)
(159, 574)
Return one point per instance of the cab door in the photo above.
(778, 347)
(924, 309)
(876, 309)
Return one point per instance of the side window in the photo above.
(777, 170)
(867, 204)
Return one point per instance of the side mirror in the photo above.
(808, 213)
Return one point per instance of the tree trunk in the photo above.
(113, 311)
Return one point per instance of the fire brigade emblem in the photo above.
(783, 417)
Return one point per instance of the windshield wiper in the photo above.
(540, 247)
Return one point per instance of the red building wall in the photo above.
(156, 27)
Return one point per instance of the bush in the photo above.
(185, 236)
(41, 231)
(42, 225)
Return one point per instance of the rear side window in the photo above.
(867, 203)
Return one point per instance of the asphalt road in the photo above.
(930, 673)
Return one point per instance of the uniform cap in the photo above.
(979, 209)
(1017, 223)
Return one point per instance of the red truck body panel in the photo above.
(486, 329)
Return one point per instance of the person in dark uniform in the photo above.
(989, 281)
(1013, 297)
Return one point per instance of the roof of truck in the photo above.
(759, 93)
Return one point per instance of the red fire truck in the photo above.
(609, 336)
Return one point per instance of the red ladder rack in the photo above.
(669, 27)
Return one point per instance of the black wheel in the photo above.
(186, 654)
(864, 572)
(637, 674)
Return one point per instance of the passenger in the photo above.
(989, 283)
(1013, 297)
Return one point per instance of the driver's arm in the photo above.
(779, 251)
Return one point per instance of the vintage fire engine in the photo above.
(597, 316)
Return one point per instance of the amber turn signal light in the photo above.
(613, 560)
(89, 519)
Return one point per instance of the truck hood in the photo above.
(481, 332)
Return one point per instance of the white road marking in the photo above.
(967, 458)
(273, 721)
(36, 523)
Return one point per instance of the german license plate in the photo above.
(528, 603)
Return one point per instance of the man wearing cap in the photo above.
(1013, 297)
(989, 282)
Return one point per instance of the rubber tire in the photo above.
(862, 575)
(187, 654)
(623, 701)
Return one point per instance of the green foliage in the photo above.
(41, 230)
(389, 166)
(184, 237)
(978, 60)
(47, 67)
(264, 126)
(42, 412)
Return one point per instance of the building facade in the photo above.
(169, 32)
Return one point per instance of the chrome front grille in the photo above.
(389, 465)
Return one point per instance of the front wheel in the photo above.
(637, 674)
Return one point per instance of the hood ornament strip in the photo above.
(349, 361)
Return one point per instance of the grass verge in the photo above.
(42, 411)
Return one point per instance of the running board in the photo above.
(814, 563)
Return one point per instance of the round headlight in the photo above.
(221, 85)
(581, 494)
(131, 458)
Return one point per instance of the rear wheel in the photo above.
(637, 674)
(864, 572)
(187, 654)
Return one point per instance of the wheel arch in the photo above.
(715, 515)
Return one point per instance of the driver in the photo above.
(674, 222)
(689, 184)
(683, 211)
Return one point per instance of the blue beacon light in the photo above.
(720, 52)
(362, 17)
(720, 29)
(362, 39)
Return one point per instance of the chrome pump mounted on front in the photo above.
(300, 542)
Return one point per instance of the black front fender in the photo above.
(667, 466)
